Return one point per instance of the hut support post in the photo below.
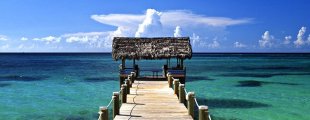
(103, 113)
(176, 83)
(115, 104)
(181, 93)
(124, 93)
(190, 103)
(123, 63)
(134, 63)
(182, 62)
(203, 113)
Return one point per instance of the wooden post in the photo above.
(115, 104)
(190, 103)
(181, 93)
(203, 113)
(176, 83)
(170, 80)
(133, 74)
(182, 62)
(128, 86)
(124, 93)
(103, 113)
(130, 77)
(123, 63)
(134, 63)
(129, 82)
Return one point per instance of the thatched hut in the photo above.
(134, 48)
(151, 48)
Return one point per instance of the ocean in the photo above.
(72, 86)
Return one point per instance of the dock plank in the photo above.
(152, 100)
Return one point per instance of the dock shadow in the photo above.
(5, 84)
(23, 78)
(272, 68)
(99, 79)
(198, 78)
(231, 103)
(254, 83)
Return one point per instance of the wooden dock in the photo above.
(159, 98)
(152, 100)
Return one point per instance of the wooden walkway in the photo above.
(152, 100)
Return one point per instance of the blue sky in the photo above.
(212, 25)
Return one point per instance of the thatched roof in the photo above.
(151, 48)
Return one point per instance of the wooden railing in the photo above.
(179, 89)
(189, 97)
(117, 98)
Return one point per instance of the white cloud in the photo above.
(3, 38)
(49, 39)
(266, 40)
(169, 18)
(177, 32)
(151, 25)
(4, 47)
(239, 45)
(299, 42)
(163, 23)
(23, 46)
(287, 39)
(119, 19)
(23, 39)
(214, 44)
(187, 18)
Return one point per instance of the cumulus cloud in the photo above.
(151, 25)
(23, 39)
(163, 23)
(287, 39)
(266, 40)
(3, 38)
(49, 39)
(299, 42)
(177, 32)
(170, 18)
(239, 45)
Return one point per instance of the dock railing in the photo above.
(187, 98)
(117, 99)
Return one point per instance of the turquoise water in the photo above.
(234, 86)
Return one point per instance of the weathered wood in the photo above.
(203, 113)
(181, 93)
(152, 100)
(103, 113)
(190, 103)
(176, 86)
(128, 86)
(124, 93)
(169, 80)
(115, 104)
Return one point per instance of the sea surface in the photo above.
(235, 86)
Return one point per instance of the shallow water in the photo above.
(234, 86)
